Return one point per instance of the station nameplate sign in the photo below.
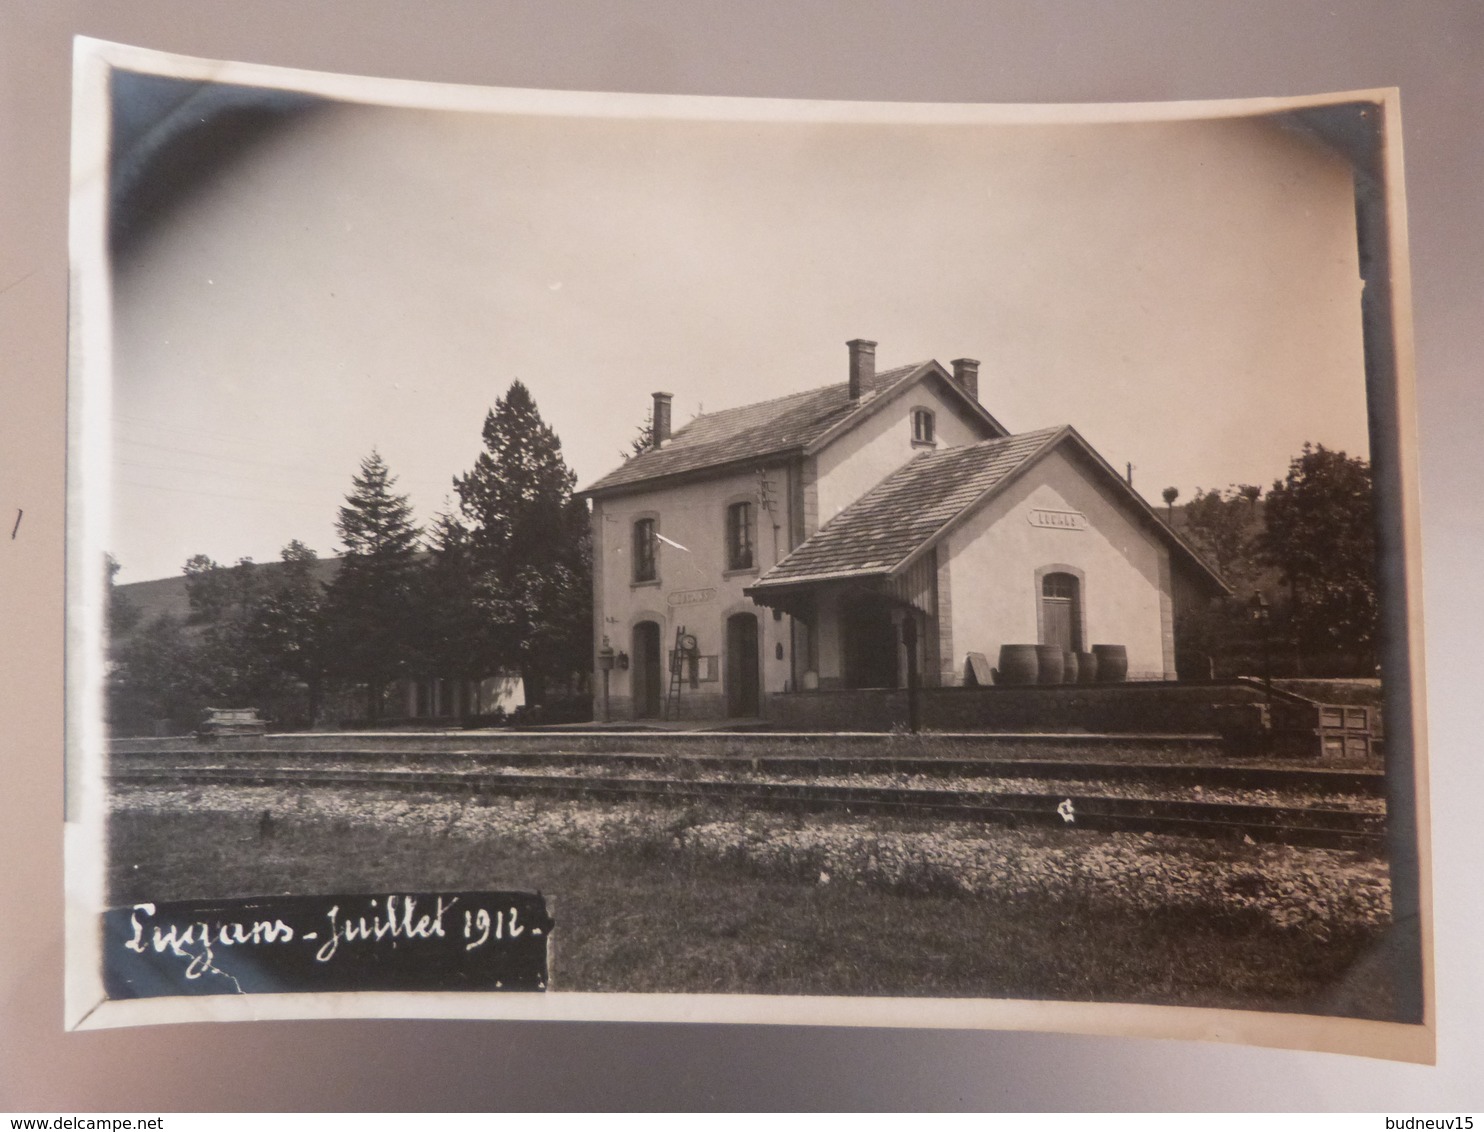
(1058, 520)
(691, 597)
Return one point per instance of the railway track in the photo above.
(670, 780)
(1246, 777)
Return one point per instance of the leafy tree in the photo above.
(1220, 527)
(298, 565)
(155, 674)
(288, 630)
(218, 592)
(528, 541)
(1171, 494)
(223, 602)
(369, 604)
(1251, 492)
(1320, 533)
(207, 589)
(253, 638)
(122, 614)
(169, 669)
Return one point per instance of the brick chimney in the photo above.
(862, 365)
(966, 374)
(659, 429)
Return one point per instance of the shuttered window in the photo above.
(644, 551)
(739, 536)
(923, 431)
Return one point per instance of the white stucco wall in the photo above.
(693, 586)
(856, 462)
(993, 559)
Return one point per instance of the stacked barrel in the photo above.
(1052, 664)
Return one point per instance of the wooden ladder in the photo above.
(677, 675)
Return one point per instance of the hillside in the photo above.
(1246, 571)
(167, 596)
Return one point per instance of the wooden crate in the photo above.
(231, 721)
(1329, 730)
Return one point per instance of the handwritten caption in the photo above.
(442, 941)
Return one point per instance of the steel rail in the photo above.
(1294, 825)
(1370, 783)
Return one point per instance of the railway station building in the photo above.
(806, 544)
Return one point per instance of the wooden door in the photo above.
(647, 685)
(1061, 613)
(743, 700)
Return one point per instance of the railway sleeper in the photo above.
(1291, 825)
(1313, 779)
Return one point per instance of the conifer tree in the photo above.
(369, 605)
(642, 440)
(528, 541)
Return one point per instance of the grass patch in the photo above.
(645, 916)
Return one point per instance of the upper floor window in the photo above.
(739, 536)
(922, 427)
(645, 566)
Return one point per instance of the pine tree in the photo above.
(528, 541)
(519, 487)
(642, 440)
(369, 605)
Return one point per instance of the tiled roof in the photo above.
(784, 424)
(881, 528)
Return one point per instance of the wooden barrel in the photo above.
(1018, 665)
(1049, 659)
(1112, 663)
(1087, 667)
(1069, 667)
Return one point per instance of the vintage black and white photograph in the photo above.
(884, 564)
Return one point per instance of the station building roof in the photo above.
(795, 424)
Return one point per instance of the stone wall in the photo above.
(695, 705)
(1151, 708)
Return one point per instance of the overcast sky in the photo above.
(1185, 294)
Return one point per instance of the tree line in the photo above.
(1308, 547)
(499, 584)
